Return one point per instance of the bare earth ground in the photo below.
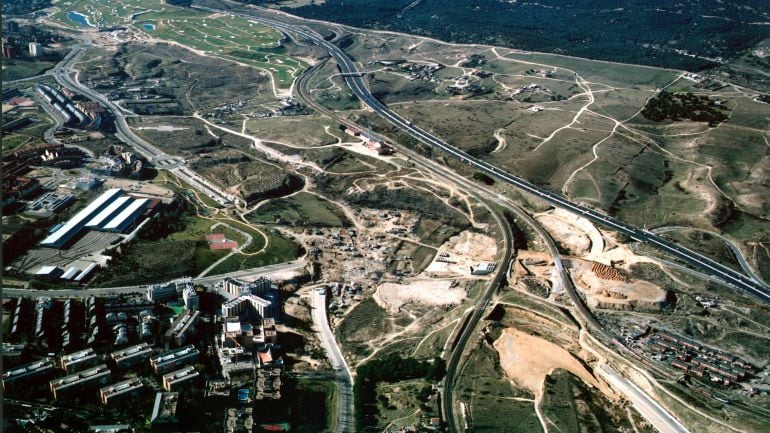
(465, 250)
(139, 187)
(621, 295)
(392, 296)
(527, 360)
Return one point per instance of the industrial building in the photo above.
(108, 212)
(120, 390)
(179, 379)
(183, 328)
(25, 375)
(112, 211)
(72, 227)
(74, 384)
(166, 362)
(79, 361)
(131, 356)
(128, 216)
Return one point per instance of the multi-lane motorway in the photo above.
(354, 80)
(65, 75)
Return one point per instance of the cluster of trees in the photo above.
(21, 7)
(677, 106)
(635, 33)
(392, 368)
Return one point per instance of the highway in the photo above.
(343, 377)
(63, 73)
(649, 408)
(354, 80)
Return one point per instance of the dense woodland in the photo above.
(678, 106)
(630, 31)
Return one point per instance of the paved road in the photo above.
(64, 75)
(354, 80)
(649, 408)
(747, 269)
(12, 292)
(344, 379)
(478, 193)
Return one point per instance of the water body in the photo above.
(78, 18)
(148, 26)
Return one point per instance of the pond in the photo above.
(148, 26)
(79, 18)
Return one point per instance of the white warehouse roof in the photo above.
(127, 213)
(76, 222)
(102, 216)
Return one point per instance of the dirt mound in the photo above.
(391, 296)
(527, 360)
(606, 272)
(604, 289)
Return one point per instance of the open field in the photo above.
(297, 131)
(227, 37)
(250, 178)
(493, 402)
(573, 126)
(571, 406)
(301, 209)
(169, 80)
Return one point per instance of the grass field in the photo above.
(483, 387)
(301, 209)
(571, 406)
(23, 68)
(224, 36)
(365, 320)
(297, 131)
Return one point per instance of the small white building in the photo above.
(484, 268)
(35, 49)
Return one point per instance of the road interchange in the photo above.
(354, 79)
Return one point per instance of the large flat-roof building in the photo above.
(76, 383)
(178, 379)
(183, 328)
(108, 212)
(24, 375)
(71, 228)
(131, 356)
(78, 361)
(120, 390)
(126, 218)
(169, 361)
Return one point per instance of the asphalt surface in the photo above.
(353, 79)
(63, 73)
(343, 377)
(12, 292)
(649, 408)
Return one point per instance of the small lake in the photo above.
(148, 26)
(78, 18)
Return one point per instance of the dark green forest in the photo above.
(631, 31)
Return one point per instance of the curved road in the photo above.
(354, 79)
